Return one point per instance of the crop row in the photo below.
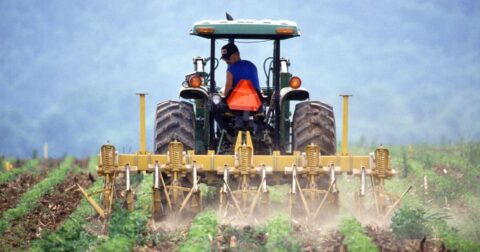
(72, 234)
(31, 197)
(9, 175)
(127, 229)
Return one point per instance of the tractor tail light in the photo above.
(295, 82)
(195, 81)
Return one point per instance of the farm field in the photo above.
(42, 210)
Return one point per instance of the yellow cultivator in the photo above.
(243, 177)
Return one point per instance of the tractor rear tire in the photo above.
(314, 122)
(174, 120)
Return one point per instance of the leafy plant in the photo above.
(355, 237)
(279, 233)
(414, 223)
(203, 226)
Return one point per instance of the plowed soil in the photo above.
(11, 192)
(53, 209)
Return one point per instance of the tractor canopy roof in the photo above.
(246, 29)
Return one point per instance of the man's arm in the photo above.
(228, 84)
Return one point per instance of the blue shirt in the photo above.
(244, 70)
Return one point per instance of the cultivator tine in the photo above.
(157, 201)
(92, 202)
(255, 199)
(128, 189)
(223, 191)
(362, 182)
(235, 202)
(374, 191)
(165, 191)
(395, 204)
(323, 199)
(304, 201)
(185, 201)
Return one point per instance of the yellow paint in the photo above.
(345, 125)
(8, 166)
(143, 142)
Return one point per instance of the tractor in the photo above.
(243, 141)
(270, 124)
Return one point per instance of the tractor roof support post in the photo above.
(276, 85)
(211, 137)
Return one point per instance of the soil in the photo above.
(52, 210)
(11, 192)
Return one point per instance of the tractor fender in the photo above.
(193, 93)
(290, 94)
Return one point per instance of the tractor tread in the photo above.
(174, 120)
(314, 122)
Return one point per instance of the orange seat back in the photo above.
(244, 97)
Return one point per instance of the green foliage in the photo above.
(414, 223)
(405, 165)
(204, 225)
(249, 238)
(278, 193)
(116, 244)
(208, 193)
(452, 239)
(127, 229)
(127, 224)
(71, 235)
(30, 198)
(7, 176)
(355, 237)
(279, 233)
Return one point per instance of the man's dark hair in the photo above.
(228, 50)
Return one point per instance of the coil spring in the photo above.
(313, 157)
(108, 158)
(245, 159)
(381, 161)
(175, 154)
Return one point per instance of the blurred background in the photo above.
(69, 70)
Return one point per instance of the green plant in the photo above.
(413, 223)
(204, 227)
(279, 233)
(405, 165)
(355, 237)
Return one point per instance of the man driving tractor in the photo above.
(238, 69)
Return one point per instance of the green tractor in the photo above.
(207, 121)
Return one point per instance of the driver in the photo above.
(238, 69)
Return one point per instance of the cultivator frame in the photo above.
(245, 167)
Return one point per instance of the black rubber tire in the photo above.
(314, 122)
(174, 120)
